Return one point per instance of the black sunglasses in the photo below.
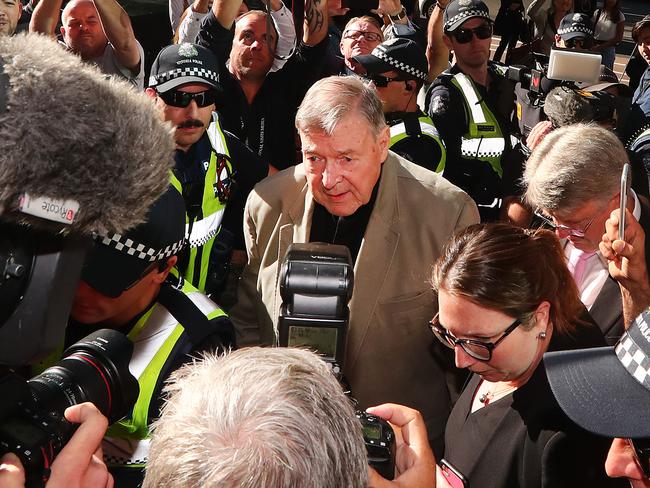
(641, 449)
(477, 349)
(580, 42)
(382, 81)
(463, 36)
(181, 99)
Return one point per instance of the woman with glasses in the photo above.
(505, 298)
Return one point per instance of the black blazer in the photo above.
(524, 440)
(607, 310)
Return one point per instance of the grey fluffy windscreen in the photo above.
(71, 133)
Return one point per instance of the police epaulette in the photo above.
(632, 139)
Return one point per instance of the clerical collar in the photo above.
(348, 231)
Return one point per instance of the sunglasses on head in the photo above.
(463, 36)
(641, 449)
(177, 98)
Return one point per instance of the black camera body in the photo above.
(32, 422)
(380, 443)
(316, 282)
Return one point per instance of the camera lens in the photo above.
(95, 369)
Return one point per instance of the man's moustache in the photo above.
(188, 124)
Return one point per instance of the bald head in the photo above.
(82, 29)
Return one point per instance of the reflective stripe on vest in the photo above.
(398, 132)
(484, 139)
(205, 230)
(154, 337)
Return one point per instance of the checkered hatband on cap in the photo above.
(577, 28)
(138, 250)
(399, 65)
(632, 356)
(472, 12)
(186, 72)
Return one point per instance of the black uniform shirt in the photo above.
(416, 147)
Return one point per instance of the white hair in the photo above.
(257, 417)
(329, 100)
(573, 166)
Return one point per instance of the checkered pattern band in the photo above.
(577, 28)
(123, 461)
(140, 251)
(474, 12)
(399, 65)
(206, 74)
(204, 239)
(634, 359)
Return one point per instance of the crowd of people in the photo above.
(498, 319)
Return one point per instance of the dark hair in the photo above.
(614, 15)
(639, 26)
(512, 270)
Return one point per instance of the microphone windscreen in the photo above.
(70, 132)
(563, 106)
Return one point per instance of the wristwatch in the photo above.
(398, 16)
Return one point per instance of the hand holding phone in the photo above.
(625, 189)
(454, 478)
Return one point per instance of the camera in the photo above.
(316, 282)
(380, 443)
(32, 422)
(564, 67)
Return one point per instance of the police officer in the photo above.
(124, 286)
(214, 171)
(575, 32)
(398, 69)
(477, 136)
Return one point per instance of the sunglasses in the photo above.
(581, 43)
(477, 349)
(182, 99)
(382, 81)
(641, 449)
(463, 36)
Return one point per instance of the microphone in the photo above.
(70, 135)
(79, 154)
(564, 106)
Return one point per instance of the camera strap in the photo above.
(196, 324)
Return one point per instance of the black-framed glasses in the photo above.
(573, 231)
(477, 349)
(182, 99)
(641, 450)
(357, 34)
(382, 81)
(463, 36)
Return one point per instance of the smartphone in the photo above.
(360, 4)
(454, 477)
(626, 181)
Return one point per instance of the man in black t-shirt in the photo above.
(260, 105)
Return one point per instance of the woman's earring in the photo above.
(541, 336)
